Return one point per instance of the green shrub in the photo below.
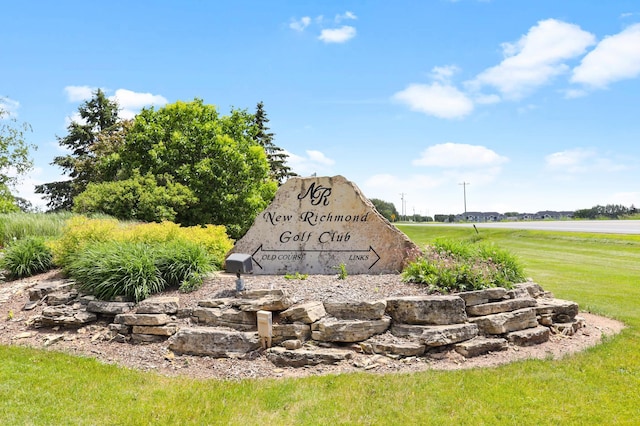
(137, 198)
(452, 266)
(117, 268)
(26, 257)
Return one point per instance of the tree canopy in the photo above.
(276, 156)
(14, 158)
(386, 209)
(213, 161)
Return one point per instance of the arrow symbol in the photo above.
(371, 249)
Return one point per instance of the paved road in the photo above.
(598, 226)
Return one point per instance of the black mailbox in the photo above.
(239, 263)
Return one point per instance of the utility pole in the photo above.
(464, 191)
(402, 194)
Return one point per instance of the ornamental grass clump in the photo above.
(451, 266)
(116, 268)
(183, 264)
(26, 257)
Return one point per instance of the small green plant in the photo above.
(451, 266)
(342, 271)
(26, 257)
(296, 276)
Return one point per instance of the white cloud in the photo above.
(9, 108)
(615, 58)
(79, 93)
(535, 58)
(338, 35)
(582, 160)
(345, 16)
(444, 74)
(300, 24)
(131, 102)
(455, 155)
(443, 101)
(625, 198)
(313, 162)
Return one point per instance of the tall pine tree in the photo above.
(276, 156)
(99, 119)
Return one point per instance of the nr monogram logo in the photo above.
(317, 195)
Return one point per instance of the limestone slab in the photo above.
(436, 335)
(559, 309)
(213, 341)
(435, 310)
(480, 346)
(363, 310)
(307, 313)
(159, 305)
(529, 336)
(142, 319)
(226, 317)
(109, 308)
(502, 306)
(282, 357)
(507, 321)
(486, 295)
(347, 331)
(295, 331)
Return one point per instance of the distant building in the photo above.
(496, 217)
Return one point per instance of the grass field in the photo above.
(599, 386)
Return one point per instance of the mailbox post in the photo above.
(239, 263)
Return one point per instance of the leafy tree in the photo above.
(99, 123)
(276, 156)
(611, 211)
(14, 158)
(192, 145)
(385, 208)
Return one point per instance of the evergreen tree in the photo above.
(276, 156)
(99, 119)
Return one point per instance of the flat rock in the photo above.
(363, 310)
(156, 330)
(436, 335)
(478, 297)
(404, 348)
(296, 331)
(42, 289)
(159, 305)
(534, 290)
(502, 306)
(529, 336)
(347, 331)
(226, 317)
(560, 310)
(61, 297)
(109, 308)
(63, 315)
(434, 310)
(480, 345)
(282, 357)
(507, 321)
(307, 313)
(142, 319)
(213, 341)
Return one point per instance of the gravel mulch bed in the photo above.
(90, 341)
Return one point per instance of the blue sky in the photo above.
(534, 103)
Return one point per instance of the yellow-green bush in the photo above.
(81, 231)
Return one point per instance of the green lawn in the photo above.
(599, 386)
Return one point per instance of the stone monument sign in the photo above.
(314, 225)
